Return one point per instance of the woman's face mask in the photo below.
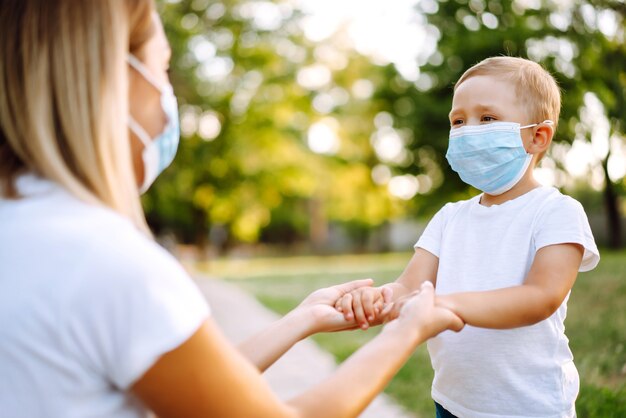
(159, 152)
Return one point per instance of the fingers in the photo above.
(378, 308)
(386, 311)
(456, 323)
(362, 303)
(369, 302)
(353, 285)
(338, 303)
(359, 313)
(443, 319)
(428, 287)
(391, 312)
(418, 309)
(346, 307)
(414, 306)
(387, 293)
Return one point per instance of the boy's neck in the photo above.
(525, 185)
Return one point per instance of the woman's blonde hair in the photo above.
(64, 96)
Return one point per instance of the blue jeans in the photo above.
(442, 412)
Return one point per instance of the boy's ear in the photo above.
(542, 138)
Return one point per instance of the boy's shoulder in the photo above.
(459, 204)
(551, 200)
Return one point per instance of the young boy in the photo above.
(504, 261)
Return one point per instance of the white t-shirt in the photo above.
(87, 305)
(522, 372)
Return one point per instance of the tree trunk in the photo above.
(611, 205)
(318, 227)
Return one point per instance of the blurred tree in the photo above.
(597, 29)
(276, 129)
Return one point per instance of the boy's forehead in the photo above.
(486, 83)
(484, 91)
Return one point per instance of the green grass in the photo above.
(596, 322)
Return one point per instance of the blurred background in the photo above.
(321, 126)
(313, 148)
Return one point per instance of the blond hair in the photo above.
(64, 96)
(535, 87)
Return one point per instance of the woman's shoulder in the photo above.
(51, 219)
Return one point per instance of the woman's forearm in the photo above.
(267, 346)
(360, 378)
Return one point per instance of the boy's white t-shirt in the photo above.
(87, 306)
(522, 372)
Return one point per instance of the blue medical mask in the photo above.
(158, 153)
(490, 157)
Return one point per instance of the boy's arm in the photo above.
(422, 267)
(549, 280)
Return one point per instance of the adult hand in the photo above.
(320, 307)
(418, 311)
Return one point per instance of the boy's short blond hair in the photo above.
(536, 88)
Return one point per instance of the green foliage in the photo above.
(252, 172)
(601, 402)
(595, 322)
(244, 164)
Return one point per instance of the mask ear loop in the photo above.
(140, 67)
(132, 123)
(547, 122)
(139, 131)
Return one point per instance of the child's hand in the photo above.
(365, 305)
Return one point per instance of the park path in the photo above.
(240, 315)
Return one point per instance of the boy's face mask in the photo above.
(157, 154)
(491, 157)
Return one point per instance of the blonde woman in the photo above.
(96, 319)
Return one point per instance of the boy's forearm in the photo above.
(399, 290)
(546, 286)
(422, 267)
(510, 307)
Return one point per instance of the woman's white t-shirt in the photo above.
(511, 373)
(87, 305)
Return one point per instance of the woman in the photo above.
(97, 320)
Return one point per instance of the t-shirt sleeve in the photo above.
(563, 221)
(143, 305)
(430, 240)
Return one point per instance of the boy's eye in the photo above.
(457, 122)
(488, 119)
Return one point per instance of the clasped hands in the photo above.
(358, 304)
